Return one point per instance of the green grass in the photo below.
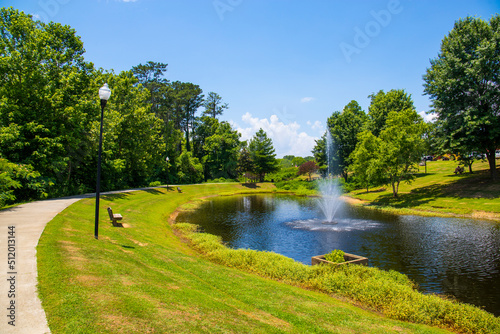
(145, 279)
(441, 192)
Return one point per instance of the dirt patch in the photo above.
(89, 280)
(266, 318)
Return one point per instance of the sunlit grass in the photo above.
(144, 278)
(441, 192)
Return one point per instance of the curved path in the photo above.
(23, 225)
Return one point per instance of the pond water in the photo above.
(451, 256)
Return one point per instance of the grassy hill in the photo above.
(441, 192)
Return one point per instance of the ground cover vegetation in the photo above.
(155, 131)
(144, 278)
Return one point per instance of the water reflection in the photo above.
(457, 257)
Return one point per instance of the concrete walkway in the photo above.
(20, 229)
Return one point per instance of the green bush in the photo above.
(389, 292)
(336, 256)
(155, 184)
(221, 180)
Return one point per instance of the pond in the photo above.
(451, 256)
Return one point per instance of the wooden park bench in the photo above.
(179, 189)
(115, 217)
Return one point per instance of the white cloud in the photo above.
(287, 139)
(307, 99)
(427, 117)
(316, 126)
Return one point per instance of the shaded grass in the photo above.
(145, 279)
(441, 192)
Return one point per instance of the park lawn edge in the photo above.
(145, 278)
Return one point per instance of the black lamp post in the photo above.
(104, 94)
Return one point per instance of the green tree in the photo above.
(382, 104)
(263, 154)
(190, 168)
(213, 105)
(344, 127)
(133, 147)
(151, 76)
(401, 147)
(48, 99)
(185, 98)
(463, 84)
(245, 163)
(222, 152)
(365, 160)
(319, 152)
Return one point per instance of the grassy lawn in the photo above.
(440, 191)
(145, 279)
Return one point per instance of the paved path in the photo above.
(18, 284)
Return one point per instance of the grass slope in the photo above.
(441, 192)
(144, 279)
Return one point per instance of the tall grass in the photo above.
(389, 292)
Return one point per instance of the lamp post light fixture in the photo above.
(104, 94)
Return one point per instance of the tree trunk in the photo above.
(492, 162)
(188, 145)
(394, 190)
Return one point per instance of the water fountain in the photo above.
(329, 188)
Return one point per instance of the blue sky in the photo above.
(281, 65)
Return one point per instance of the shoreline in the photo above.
(485, 215)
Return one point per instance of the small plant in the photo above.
(336, 256)
(155, 184)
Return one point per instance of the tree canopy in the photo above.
(262, 154)
(344, 128)
(463, 84)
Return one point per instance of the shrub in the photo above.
(155, 184)
(336, 256)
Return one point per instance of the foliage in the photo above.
(282, 174)
(222, 149)
(320, 155)
(344, 127)
(401, 147)
(382, 104)
(366, 164)
(463, 83)
(221, 180)
(47, 98)
(16, 177)
(214, 105)
(336, 256)
(262, 154)
(299, 187)
(190, 168)
(308, 168)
